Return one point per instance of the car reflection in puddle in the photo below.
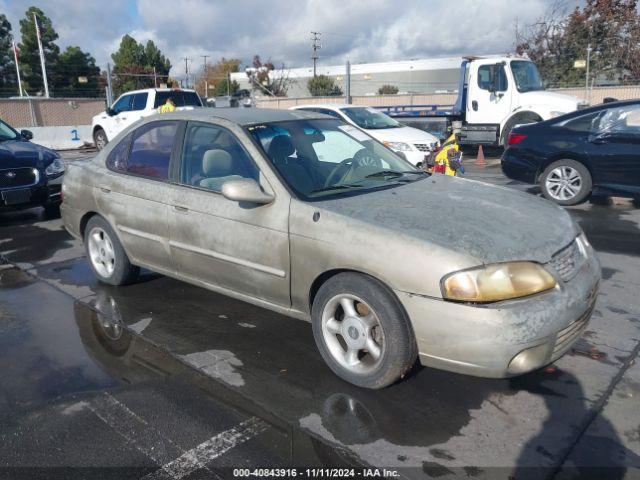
(273, 370)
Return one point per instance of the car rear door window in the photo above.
(140, 101)
(212, 155)
(624, 120)
(151, 148)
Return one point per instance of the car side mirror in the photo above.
(110, 111)
(245, 190)
(26, 134)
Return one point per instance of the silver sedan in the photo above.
(303, 214)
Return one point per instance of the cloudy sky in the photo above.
(361, 31)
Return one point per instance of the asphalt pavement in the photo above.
(161, 379)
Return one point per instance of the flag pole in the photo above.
(44, 69)
(15, 56)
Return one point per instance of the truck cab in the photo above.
(497, 93)
(134, 105)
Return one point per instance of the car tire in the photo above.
(107, 258)
(566, 182)
(100, 139)
(373, 320)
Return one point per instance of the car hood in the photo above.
(20, 153)
(488, 223)
(401, 134)
(558, 101)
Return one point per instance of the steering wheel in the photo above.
(338, 172)
(364, 158)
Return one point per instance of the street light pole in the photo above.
(586, 80)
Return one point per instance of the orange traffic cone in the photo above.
(480, 161)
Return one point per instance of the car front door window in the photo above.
(211, 156)
(123, 104)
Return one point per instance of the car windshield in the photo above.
(323, 158)
(526, 76)
(370, 118)
(7, 133)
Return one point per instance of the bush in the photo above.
(387, 90)
(323, 86)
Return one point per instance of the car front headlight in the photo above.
(400, 146)
(500, 281)
(55, 168)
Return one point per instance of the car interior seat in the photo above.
(217, 168)
(280, 153)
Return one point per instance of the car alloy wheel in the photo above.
(563, 183)
(353, 333)
(101, 252)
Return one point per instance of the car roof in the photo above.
(146, 90)
(243, 116)
(600, 106)
(330, 106)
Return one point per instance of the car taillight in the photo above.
(515, 138)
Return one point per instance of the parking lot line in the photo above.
(134, 429)
(209, 450)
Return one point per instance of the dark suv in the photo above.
(30, 174)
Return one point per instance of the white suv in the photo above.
(413, 144)
(134, 105)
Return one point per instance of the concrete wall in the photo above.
(62, 138)
(46, 112)
(596, 96)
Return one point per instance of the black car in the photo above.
(595, 150)
(30, 174)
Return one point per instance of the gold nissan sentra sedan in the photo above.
(306, 215)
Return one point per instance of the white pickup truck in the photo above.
(134, 105)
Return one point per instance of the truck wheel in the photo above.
(100, 139)
(106, 256)
(362, 331)
(566, 182)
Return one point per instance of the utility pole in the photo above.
(315, 46)
(15, 56)
(109, 88)
(204, 69)
(186, 71)
(228, 84)
(586, 80)
(347, 89)
(44, 68)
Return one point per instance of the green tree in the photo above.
(323, 86)
(153, 57)
(134, 65)
(555, 41)
(8, 81)
(388, 90)
(221, 89)
(30, 56)
(78, 66)
(216, 74)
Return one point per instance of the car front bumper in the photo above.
(414, 157)
(40, 195)
(507, 338)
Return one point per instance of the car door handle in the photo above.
(180, 209)
(105, 190)
(474, 105)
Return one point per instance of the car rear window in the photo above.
(180, 98)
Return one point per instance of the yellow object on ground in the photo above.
(442, 157)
